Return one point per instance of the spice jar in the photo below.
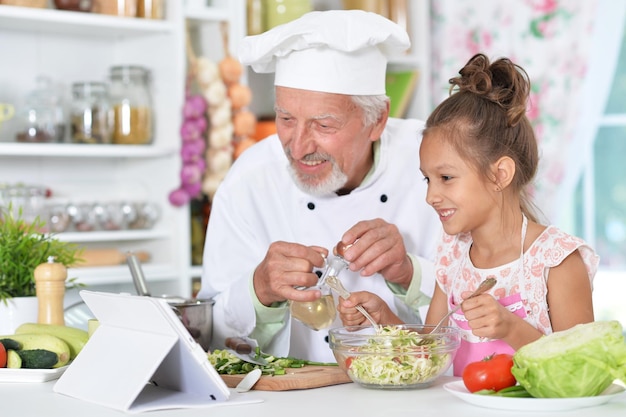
(132, 105)
(90, 113)
(42, 115)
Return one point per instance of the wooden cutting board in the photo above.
(309, 376)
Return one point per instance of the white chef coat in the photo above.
(258, 203)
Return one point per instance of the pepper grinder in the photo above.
(50, 290)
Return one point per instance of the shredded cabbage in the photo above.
(404, 359)
(579, 362)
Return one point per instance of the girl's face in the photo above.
(324, 139)
(461, 196)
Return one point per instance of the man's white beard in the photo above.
(334, 182)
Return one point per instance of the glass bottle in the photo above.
(90, 114)
(131, 100)
(319, 314)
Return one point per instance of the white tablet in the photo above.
(140, 358)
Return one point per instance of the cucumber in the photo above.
(11, 344)
(38, 358)
(43, 341)
(75, 338)
(13, 359)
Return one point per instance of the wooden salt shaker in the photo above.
(50, 289)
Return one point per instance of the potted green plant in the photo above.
(22, 248)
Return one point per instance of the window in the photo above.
(599, 200)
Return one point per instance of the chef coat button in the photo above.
(326, 339)
(383, 198)
(311, 206)
(318, 273)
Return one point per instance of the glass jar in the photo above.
(73, 5)
(127, 8)
(42, 117)
(132, 105)
(151, 9)
(90, 114)
(25, 201)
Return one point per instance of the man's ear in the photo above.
(379, 126)
(504, 172)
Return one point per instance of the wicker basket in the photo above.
(40, 4)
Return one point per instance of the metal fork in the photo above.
(334, 283)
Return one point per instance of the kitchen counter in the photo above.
(38, 399)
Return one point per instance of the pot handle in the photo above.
(137, 273)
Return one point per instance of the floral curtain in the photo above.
(551, 40)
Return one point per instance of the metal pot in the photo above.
(195, 314)
(197, 317)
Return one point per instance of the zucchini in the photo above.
(43, 341)
(11, 344)
(13, 359)
(38, 358)
(75, 338)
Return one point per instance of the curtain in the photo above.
(551, 40)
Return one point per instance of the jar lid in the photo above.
(126, 72)
(88, 87)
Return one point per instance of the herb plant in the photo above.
(22, 248)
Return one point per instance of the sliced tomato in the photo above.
(349, 362)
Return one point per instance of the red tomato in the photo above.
(493, 372)
(3, 356)
(349, 362)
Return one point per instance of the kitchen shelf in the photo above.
(73, 47)
(77, 23)
(109, 236)
(83, 151)
(107, 275)
(208, 15)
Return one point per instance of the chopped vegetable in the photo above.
(226, 363)
(397, 360)
(514, 391)
(579, 362)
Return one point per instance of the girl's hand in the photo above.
(375, 306)
(487, 317)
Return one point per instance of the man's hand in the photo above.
(377, 246)
(288, 265)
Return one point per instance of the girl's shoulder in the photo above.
(553, 245)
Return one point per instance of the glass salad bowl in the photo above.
(404, 356)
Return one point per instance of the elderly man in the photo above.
(338, 170)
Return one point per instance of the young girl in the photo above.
(478, 154)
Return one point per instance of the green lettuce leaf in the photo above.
(579, 362)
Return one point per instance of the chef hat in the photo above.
(335, 51)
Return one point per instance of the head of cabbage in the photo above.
(579, 362)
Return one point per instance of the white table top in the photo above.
(38, 399)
